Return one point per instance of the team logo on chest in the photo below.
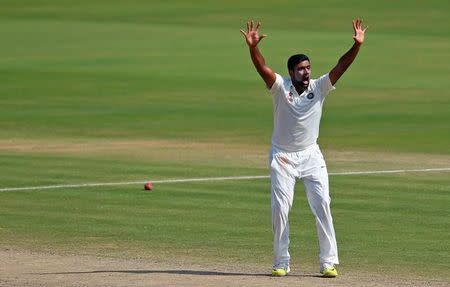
(310, 96)
(290, 97)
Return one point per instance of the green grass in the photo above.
(114, 77)
(75, 78)
(390, 223)
(406, 217)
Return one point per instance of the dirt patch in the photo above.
(241, 154)
(95, 146)
(179, 151)
(25, 268)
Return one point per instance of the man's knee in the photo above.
(280, 206)
(320, 205)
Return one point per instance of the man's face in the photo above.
(301, 73)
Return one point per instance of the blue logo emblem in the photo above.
(310, 96)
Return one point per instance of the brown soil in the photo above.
(25, 268)
(239, 154)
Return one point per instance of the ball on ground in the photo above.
(148, 186)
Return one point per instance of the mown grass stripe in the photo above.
(183, 180)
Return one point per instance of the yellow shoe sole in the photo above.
(329, 273)
(280, 272)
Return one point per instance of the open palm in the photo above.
(359, 31)
(252, 36)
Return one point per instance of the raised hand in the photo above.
(359, 31)
(252, 36)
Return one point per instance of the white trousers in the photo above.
(308, 165)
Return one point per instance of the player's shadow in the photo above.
(177, 272)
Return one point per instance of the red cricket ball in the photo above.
(148, 186)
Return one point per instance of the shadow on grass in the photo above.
(176, 272)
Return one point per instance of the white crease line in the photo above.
(210, 179)
(389, 171)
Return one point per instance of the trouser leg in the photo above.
(319, 200)
(281, 202)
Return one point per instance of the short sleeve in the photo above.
(324, 84)
(277, 85)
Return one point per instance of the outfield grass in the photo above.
(96, 92)
(390, 223)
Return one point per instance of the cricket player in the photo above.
(297, 109)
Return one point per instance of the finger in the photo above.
(354, 24)
(261, 37)
(364, 31)
(248, 25)
(257, 26)
(243, 33)
(251, 25)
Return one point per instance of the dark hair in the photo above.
(295, 59)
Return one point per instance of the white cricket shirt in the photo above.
(297, 117)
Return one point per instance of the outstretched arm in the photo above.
(253, 38)
(347, 59)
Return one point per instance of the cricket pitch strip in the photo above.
(26, 268)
